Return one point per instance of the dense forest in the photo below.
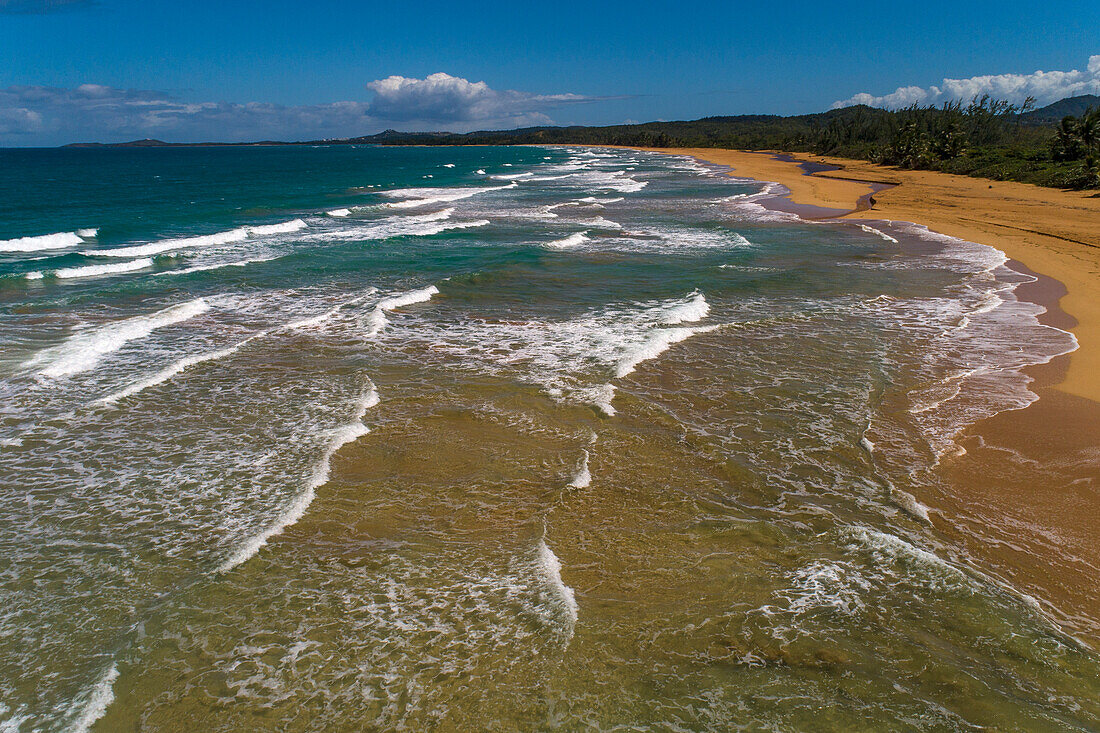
(1058, 145)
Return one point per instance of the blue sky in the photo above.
(118, 69)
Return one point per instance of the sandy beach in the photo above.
(1024, 495)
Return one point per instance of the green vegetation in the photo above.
(1078, 139)
(1058, 145)
(985, 138)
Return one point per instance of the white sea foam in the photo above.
(207, 240)
(317, 320)
(337, 438)
(562, 596)
(748, 206)
(94, 705)
(59, 240)
(66, 273)
(512, 176)
(583, 477)
(747, 268)
(440, 215)
(573, 240)
(189, 361)
(614, 180)
(417, 197)
(408, 298)
(574, 360)
(217, 266)
(887, 549)
(909, 504)
(596, 200)
(339, 212)
(601, 223)
(601, 397)
(448, 165)
(480, 171)
(659, 341)
(286, 227)
(826, 585)
(175, 368)
(167, 245)
(87, 233)
(691, 309)
(83, 350)
(872, 230)
(419, 225)
(378, 316)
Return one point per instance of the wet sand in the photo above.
(1024, 497)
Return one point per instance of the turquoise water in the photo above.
(495, 438)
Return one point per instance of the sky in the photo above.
(115, 70)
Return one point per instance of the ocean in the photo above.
(489, 438)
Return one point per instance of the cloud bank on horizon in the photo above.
(93, 112)
(1045, 86)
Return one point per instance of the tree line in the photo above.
(986, 137)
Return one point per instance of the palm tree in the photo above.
(1088, 128)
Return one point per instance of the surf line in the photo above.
(337, 438)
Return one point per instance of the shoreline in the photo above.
(1022, 495)
(1052, 232)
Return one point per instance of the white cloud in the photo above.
(1045, 86)
(39, 115)
(457, 102)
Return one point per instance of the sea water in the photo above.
(364, 438)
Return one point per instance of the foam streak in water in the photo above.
(83, 351)
(417, 197)
(337, 438)
(693, 308)
(101, 695)
(59, 240)
(66, 273)
(573, 240)
(562, 594)
(583, 477)
(877, 232)
(659, 342)
(378, 316)
(319, 319)
(208, 240)
(175, 368)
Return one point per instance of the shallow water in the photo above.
(358, 440)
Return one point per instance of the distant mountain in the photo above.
(739, 131)
(152, 143)
(1054, 113)
(146, 143)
